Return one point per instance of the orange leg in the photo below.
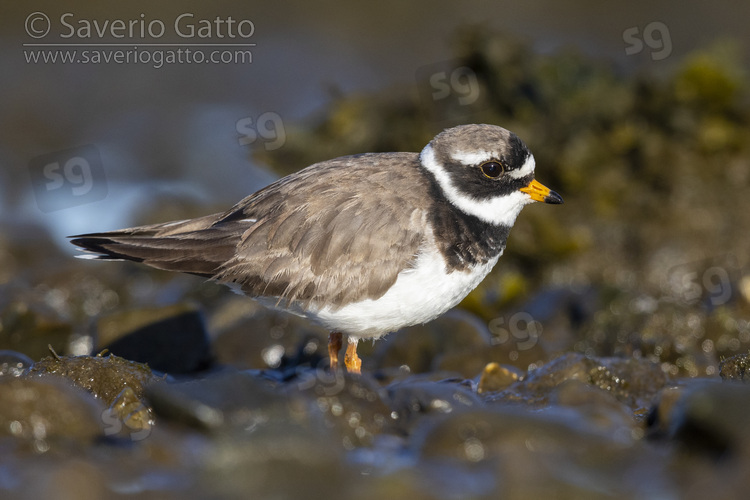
(334, 346)
(351, 360)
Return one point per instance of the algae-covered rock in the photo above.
(103, 376)
(631, 381)
(736, 368)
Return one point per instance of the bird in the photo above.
(363, 245)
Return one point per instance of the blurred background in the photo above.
(637, 114)
(586, 365)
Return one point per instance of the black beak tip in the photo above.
(553, 198)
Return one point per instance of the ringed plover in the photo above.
(363, 245)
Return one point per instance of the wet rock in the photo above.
(171, 339)
(632, 381)
(426, 347)
(354, 405)
(660, 416)
(221, 402)
(70, 479)
(531, 454)
(414, 399)
(42, 410)
(13, 364)
(103, 376)
(736, 368)
(278, 459)
(600, 409)
(709, 417)
(163, 466)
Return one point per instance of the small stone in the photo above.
(496, 378)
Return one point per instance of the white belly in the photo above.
(419, 295)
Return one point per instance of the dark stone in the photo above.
(708, 417)
(171, 340)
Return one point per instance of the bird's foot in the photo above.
(351, 360)
(334, 346)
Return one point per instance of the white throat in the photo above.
(500, 210)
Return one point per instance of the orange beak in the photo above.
(539, 192)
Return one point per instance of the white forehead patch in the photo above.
(500, 210)
(526, 169)
(469, 158)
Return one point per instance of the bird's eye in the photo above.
(492, 169)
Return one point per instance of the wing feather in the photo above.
(333, 233)
(338, 245)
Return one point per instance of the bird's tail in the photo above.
(194, 246)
